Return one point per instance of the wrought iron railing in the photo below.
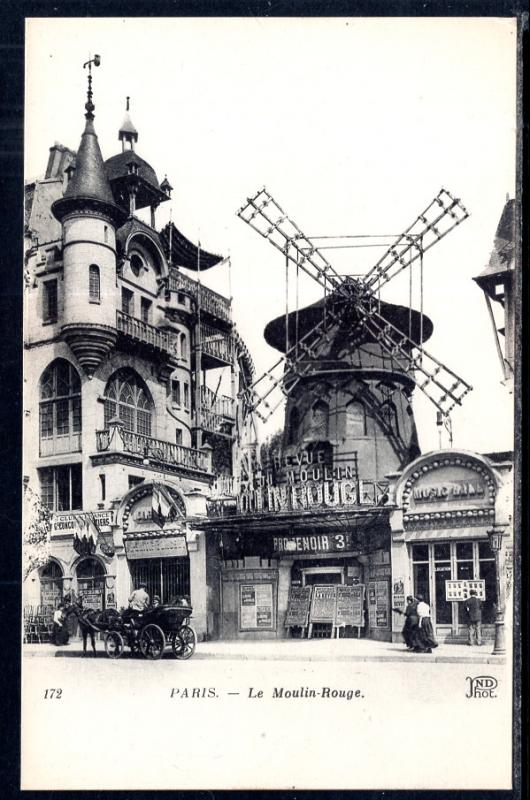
(215, 343)
(219, 404)
(210, 301)
(153, 449)
(143, 332)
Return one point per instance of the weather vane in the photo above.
(89, 105)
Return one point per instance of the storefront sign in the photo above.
(298, 606)
(349, 606)
(444, 488)
(449, 491)
(316, 543)
(311, 494)
(460, 590)
(174, 546)
(92, 600)
(74, 523)
(249, 575)
(256, 606)
(323, 604)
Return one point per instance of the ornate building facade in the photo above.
(132, 371)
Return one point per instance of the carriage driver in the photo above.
(138, 602)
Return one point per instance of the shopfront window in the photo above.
(465, 570)
(166, 577)
(420, 570)
(442, 573)
(487, 573)
(434, 564)
(91, 582)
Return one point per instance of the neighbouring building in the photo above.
(132, 374)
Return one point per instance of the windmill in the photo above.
(353, 306)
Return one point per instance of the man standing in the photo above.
(473, 607)
(138, 602)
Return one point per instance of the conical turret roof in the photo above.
(89, 185)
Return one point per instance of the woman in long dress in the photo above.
(425, 641)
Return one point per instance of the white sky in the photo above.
(353, 125)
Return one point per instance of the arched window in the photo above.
(183, 346)
(319, 421)
(355, 420)
(60, 409)
(294, 426)
(51, 584)
(94, 284)
(90, 575)
(127, 398)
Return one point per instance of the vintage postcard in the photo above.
(269, 530)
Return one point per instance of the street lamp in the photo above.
(495, 539)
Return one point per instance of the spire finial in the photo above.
(89, 105)
(127, 106)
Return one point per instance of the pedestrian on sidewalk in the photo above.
(60, 631)
(424, 640)
(411, 621)
(473, 607)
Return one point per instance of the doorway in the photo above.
(322, 576)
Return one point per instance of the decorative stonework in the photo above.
(90, 343)
(482, 495)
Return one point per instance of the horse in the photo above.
(85, 620)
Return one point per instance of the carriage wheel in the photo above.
(152, 641)
(114, 644)
(184, 642)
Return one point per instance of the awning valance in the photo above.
(184, 253)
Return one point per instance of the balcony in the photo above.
(218, 403)
(144, 333)
(216, 346)
(211, 302)
(152, 450)
(57, 445)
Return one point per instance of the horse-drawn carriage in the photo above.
(148, 633)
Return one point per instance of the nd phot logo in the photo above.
(482, 686)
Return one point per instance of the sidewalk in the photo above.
(302, 650)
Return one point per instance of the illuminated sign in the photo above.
(302, 496)
(312, 543)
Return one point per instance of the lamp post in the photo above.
(495, 539)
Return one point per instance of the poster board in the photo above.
(459, 590)
(349, 606)
(256, 607)
(379, 604)
(298, 606)
(323, 603)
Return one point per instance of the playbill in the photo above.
(271, 304)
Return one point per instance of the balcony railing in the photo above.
(152, 449)
(143, 332)
(217, 403)
(57, 445)
(215, 343)
(211, 301)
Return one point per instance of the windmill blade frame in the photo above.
(284, 234)
(427, 229)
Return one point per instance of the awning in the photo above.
(445, 534)
(183, 252)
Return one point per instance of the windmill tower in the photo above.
(497, 282)
(350, 362)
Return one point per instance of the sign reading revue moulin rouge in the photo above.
(313, 494)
